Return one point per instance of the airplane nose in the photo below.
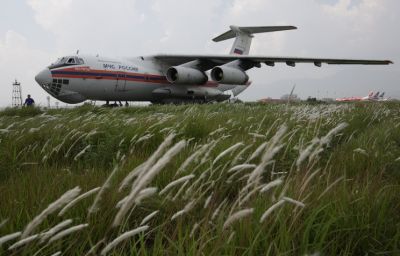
(44, 77)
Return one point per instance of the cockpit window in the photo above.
(67, 61)
(71, 61)
(59, 61)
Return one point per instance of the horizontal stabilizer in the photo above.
(232, 33)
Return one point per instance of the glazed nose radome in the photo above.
(44, 77)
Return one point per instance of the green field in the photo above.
(221, 179)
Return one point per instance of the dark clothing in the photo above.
(29, 102)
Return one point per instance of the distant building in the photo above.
(271, 100)
(284, 99)
(328, 100)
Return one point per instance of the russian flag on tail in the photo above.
(238, 51)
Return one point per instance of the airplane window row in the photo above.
(60, 81)
(55, 87)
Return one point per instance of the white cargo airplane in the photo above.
(168, 78)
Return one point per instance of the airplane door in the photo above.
(121, 82)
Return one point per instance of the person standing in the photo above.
(29, 101)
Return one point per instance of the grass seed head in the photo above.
(67, 232)
(242, 167)
(290, 200)
(148, 217)
(231, 236)
(306, 152)
(176, 182)
(63, 200)
(123, 237)
(271, 185)
(78, 199)
(23, 242)
(227, 151)
(146, 179)
(327, 139)
(138, 171)
(237, 216)
(9, 237)
(216, 212)
(194, 229)
(145, 193)
(271, 209)
(267, 157)
(186, 209)
(208, 200)
(95, 206)
(45, 236)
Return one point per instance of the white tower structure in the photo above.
(16, 94)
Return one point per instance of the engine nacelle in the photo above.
(185, 75)
(229, 75)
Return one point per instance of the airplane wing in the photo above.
(206, 62)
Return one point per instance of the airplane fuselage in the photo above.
(105, 79)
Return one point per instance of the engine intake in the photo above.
(229, 75)
(184, 75)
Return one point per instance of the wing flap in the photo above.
(326, 61)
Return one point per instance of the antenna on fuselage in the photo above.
(77, 52)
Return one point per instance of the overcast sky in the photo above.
(34, 33)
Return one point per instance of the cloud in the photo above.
(129, 26)
(48, 12)
(89, 25)
(19, 61)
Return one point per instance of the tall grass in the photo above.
(205, 179)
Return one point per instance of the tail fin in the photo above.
(244, 35)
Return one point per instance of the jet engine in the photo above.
(185, 75)
(229, 75)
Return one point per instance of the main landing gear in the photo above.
(115, 104)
